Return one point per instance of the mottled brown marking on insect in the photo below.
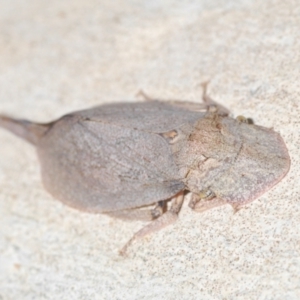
(219, 126)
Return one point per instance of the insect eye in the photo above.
(245, 120)
(242, 119)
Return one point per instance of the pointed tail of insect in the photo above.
(27, 130)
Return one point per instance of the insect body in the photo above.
(118, 158)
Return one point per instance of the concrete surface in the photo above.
(59, 56)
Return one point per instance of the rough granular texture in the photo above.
(66, 56)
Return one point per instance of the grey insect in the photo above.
(118, 158)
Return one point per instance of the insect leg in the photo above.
(142, 94)
(212, 105)
(164, 220)
(205, 200)
(141, 214)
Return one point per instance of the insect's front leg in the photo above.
(212, 105)
(164, 220)
(140, 214)
(205, 200)
(208, 103)
(143, 95)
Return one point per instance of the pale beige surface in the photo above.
(63, 55)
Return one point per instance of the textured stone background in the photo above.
(59, 56)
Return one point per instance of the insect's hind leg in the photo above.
(164, 220)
